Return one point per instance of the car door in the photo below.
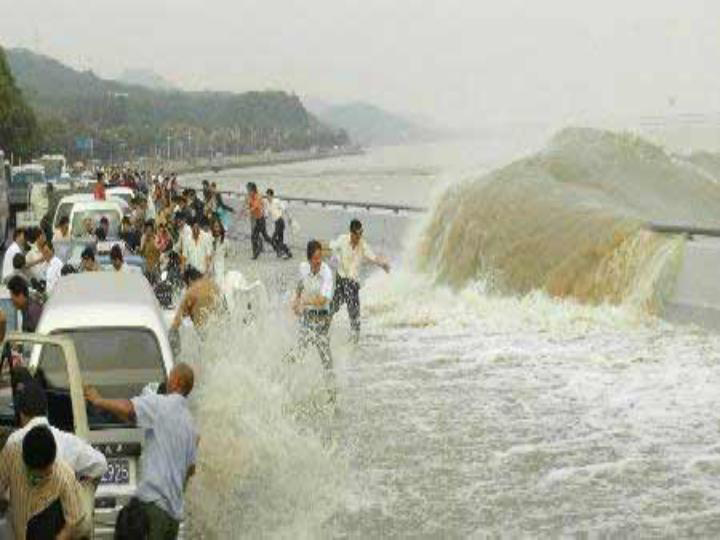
(58, 369)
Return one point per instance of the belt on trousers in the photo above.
(317, 312)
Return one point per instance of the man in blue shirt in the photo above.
(170, 447)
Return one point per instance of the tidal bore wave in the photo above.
(571, 221)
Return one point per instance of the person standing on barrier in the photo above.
(351, 250)
(312, 303)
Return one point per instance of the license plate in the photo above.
(118, 472)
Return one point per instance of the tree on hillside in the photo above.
(126, 121)
(18, 127)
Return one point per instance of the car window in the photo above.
(120, 362)
(78, 228)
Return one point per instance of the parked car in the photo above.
(21, 180)
(121, 341)
(67, 203)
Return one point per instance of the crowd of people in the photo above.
(44, 469)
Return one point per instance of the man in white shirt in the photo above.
(351, 251)
(276, 211)
(18, 246)
(31, 402)
(53, 269)
(34, 260)
(197, 250)
(312, 303)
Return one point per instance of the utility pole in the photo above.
(168, 147)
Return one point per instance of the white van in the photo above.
(121, 340)
(67, 203)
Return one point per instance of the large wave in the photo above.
(571, 220)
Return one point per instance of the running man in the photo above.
(351, 250)
(276, 211)
(312, 303)
(256, 208)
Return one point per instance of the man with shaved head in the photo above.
(170, 447)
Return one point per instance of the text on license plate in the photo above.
(118, 472)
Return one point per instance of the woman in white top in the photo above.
(219, 252)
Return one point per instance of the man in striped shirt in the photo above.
(45, 497)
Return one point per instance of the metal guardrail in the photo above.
(688, 230)
(397, 208)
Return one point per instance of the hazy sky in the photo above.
(462, 62)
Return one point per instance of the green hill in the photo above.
(130, 121)
(18, 127)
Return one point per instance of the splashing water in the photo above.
(264, 469)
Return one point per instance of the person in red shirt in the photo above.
(256, 209)
(99, 191)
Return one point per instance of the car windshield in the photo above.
(85, 222)
(120, 362)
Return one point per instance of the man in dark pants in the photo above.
(312, 302)
(351, 251)
(256, 209)
(276, 211)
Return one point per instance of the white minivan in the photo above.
(71, 205)
(121, 340)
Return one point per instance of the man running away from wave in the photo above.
(312, 303)
(352, 251)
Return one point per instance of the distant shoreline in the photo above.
(253, 160)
